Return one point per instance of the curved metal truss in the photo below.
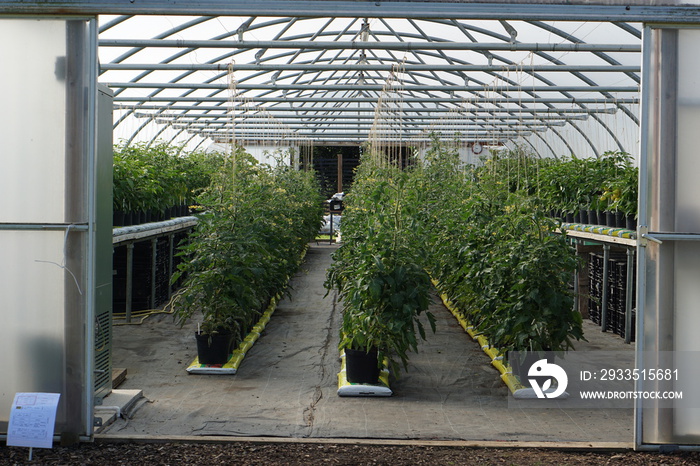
(558, 88)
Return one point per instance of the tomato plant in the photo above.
(253, 229)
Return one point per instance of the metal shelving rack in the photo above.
(608, 236)
(129, 236)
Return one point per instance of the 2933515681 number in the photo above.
(638, 374)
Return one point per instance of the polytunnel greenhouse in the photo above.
(462, 190)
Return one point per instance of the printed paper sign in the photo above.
(32, 420)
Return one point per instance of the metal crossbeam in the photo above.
(357, 99)
(372, 45)
(349, 141)
(362, 115)
(338, 131)
(364, 135)
(457, 110)
(372, 87)
(662, 11)
(425, 119)
(368, 67)
(368, 124)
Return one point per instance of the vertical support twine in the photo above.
(232, 85)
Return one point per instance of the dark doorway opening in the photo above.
(335, 167)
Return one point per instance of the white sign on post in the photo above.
(32, 420)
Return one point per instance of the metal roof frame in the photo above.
(670, 11)
(493, 65)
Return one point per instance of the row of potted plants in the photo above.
(598, 191)
(158, 181)
(378, 271)
(256, 222)
(493, 253)
(487, 241)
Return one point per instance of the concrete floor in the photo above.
(286, 386)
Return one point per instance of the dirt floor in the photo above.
(253, 453)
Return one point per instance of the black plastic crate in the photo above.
(595, 284)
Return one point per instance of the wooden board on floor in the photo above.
(118, 377)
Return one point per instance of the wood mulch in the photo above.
(248, 453)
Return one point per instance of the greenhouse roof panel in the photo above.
(190, 78)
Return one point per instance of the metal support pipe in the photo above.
(572, 10)
(604, 304)
(129, 280)
(263, 135)
(456, 110)
(44, 226)
(352, 140)
(364, 124)
(353, 129)
(367, 67)
(659, 238)
(369, 116)
(371, 45)
(646, 143)
(576, 278)
(358, 99)
(447, 87)
(628, 295)
(154, 261)
(383, 129)
(171, 254)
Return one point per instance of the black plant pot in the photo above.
(128, 219)
(631, 223)
(609, 218)
(619, 220)
(213, 349)
(569, 217)
(577, 217)
(361, 367)
(600, 215)
(118, 218)
(592, 217)
(583, 215)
